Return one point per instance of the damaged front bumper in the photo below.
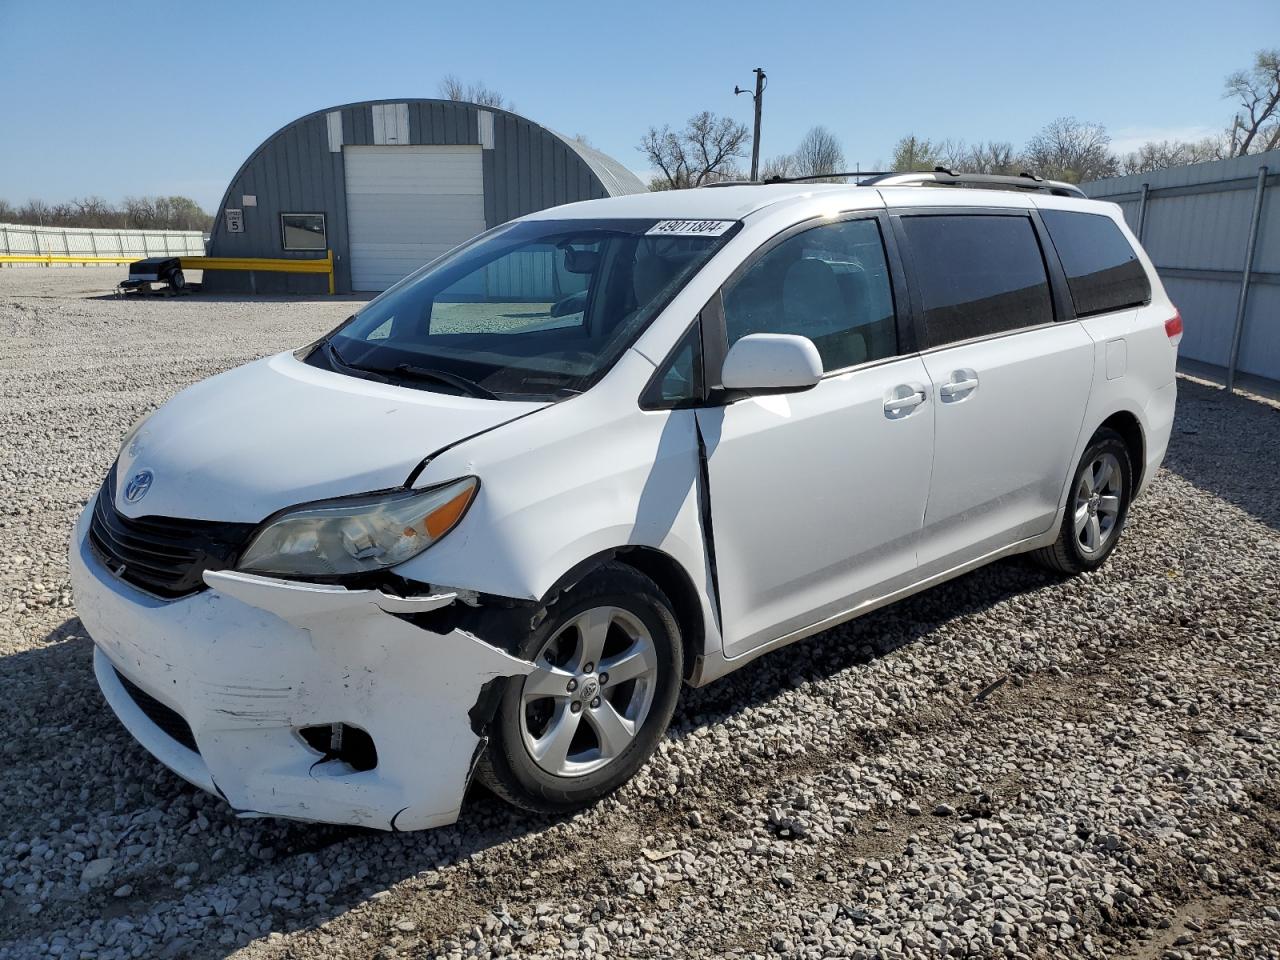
(238, 670)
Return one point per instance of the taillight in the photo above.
(1173, 328)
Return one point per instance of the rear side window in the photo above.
(830, 284)
(1103, 272)
(977, 275)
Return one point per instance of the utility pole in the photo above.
(758, 97)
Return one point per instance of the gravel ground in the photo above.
(1009, 765)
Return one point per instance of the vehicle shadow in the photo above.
(108, 785)
(1228, 446)
(857, 642)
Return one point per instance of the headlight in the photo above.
(358, 534)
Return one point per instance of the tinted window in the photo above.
(1103, 272)
(830, 284)
(977, 275)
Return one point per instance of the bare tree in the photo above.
(989, 156)
(159, 213)
(783, 165)
(452, 88)
(1072, 150)
(915, 153)
(35, 212)
(1257, 127)
(1158, 155)
(93, 210)
(140, 213)
(819, 154)
(703, 152)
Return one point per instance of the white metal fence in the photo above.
(1213, 232)
(22, 241)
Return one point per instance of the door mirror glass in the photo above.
(771, 363)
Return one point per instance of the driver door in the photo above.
(818, 497)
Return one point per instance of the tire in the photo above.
(177, 281)
(1105, 473)
(549, 756)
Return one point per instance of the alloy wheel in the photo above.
(1097, 503)
(590, 693)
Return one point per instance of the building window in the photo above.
(303, 231)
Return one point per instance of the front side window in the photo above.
(678, 382)
(977, 275)
(1103, 272)
(830, 284)
(303, 231)
(535, 310)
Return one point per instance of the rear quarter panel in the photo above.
(1135, 366)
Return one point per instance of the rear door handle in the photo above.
(961, 384)
(902, 399)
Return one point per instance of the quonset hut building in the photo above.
(388, 185)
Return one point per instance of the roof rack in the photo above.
(937, 177)
(941, 177)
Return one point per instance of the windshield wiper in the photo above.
(469, 387)
(336, 359)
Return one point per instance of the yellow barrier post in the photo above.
(323, 265)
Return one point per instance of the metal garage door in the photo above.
(407, 205)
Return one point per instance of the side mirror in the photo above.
(771, 363)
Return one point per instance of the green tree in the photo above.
(914, 153)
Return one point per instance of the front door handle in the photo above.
(961, 384)
(902, 399)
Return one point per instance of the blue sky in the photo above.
(118, 99)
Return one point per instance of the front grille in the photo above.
(170, 721)
(162, 555)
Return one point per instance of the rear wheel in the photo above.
(177, 280)
(608, 665)
(1097, 505)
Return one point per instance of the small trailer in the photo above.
(152, 270)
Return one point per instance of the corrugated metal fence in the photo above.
(19, 240)
(1203, 226)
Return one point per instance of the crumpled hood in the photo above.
(277, 432)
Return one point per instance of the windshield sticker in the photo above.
(689, 228)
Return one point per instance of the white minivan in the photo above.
(490, 524)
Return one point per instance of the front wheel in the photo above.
(1097, 505)
(608, 666)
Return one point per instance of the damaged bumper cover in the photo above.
(240, 668)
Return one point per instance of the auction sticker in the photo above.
(689, 228)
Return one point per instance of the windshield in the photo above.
(537, 310)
